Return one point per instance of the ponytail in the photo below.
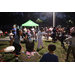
(18, 34)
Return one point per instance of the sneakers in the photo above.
(42, 47)
(38, 50)
(16, 60)
(66, 59)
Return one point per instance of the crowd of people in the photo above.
(31, 35)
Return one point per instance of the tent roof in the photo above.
(30, 23)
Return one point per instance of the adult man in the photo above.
(71, 46)
(14, 30)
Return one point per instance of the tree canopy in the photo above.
(62, 18)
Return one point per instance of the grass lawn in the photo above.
(3, 36)
(60, 52)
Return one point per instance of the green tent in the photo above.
(30, 23)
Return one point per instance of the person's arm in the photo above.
(22, 48)
(25, 37)
(11, 42)
(2, 50)
(37, 53)
(67, 39)
(44, 33)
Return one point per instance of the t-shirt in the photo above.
(16, 39)
(47, 57)
(50, 29)
(33, 29)
(14, 31)
(25, 58)
(11, 35)
(40, 34)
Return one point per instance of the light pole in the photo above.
(53, 19)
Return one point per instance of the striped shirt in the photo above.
(24, 57)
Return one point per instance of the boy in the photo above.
(50, 57)
(39, 34)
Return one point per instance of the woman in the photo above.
(16, 43)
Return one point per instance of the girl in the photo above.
(39, 34)
(30, 55)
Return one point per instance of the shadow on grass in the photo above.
(2, 44)
(39, 49)
(48, 41)
(41, 53)
(9, 59)
(23, 42)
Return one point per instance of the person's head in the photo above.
(19, 32)
(13, 27)
(73, 34)
(10, 31)
(51, 47)
(29, 46)
(41, 29)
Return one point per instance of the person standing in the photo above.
(11, 35)
(40, 34)
(54, 34)
(71, 46)
(47, 31)
(33, 32)
(14, 30)
(16, 43)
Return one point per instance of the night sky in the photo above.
(50, 14)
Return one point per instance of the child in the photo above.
(11, 34)
(39, 34)
(50, 57)
(30, 55)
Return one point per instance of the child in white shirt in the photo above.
(39, 34)
(11, 34)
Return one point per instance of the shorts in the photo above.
(71, 48)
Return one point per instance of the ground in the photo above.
(60, 52)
